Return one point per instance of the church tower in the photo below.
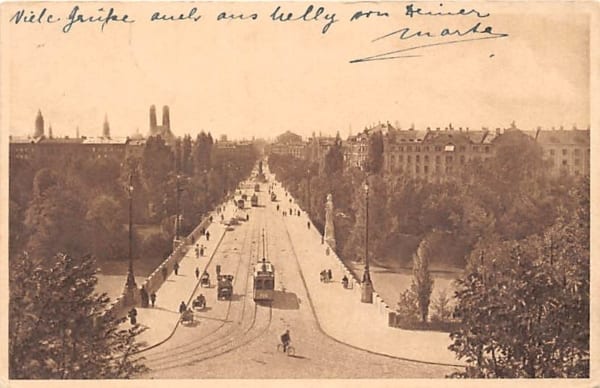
(166, 120)
(39, 125)
(152, 120)
(106, 128)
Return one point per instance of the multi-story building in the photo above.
(290, 144)
(434, 155)
(356, 150)
(42, 147)
(566, 151)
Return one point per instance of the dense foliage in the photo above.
(57, 328)
(520, 234)
(78, 205)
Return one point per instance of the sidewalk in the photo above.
(161, 320)
(363, 325)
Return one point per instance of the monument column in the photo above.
(329, 227)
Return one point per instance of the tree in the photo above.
(55, 218)
(422, 281)
(108, 238)
(524, 305)
(375, 154)
(202, 153)
(186, 155)
(157, 168)
(334, 159)
(178, 155)
(59, 327)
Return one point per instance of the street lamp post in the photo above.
(308, 173)
(177, 198)
(130, 284)
(178, 189)
(367, 285)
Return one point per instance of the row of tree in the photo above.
(78, 205)
(521, 236)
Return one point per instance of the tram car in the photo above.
(225, 287)
(273, 197)
(254, 200)
(240, 203)
(264, 281)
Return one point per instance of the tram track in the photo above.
(200, 349)
(225, 320)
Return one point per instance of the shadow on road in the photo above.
(285, 301)
(296, 356)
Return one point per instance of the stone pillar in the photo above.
(329, 228)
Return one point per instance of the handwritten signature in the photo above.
(476, 32)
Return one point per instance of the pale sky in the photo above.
(261, 78)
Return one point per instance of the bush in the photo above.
(442, 312)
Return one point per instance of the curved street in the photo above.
(238, 338)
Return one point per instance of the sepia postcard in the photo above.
(299, 193)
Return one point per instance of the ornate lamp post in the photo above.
(130, 284)
(367, 286)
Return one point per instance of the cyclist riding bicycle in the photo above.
(285, 340)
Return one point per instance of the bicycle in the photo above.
(290, 349)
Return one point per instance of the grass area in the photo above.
(446, 327)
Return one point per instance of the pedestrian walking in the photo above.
(176, 268)
(308, 224)
(164, 273)
(211, 219)
(207, 234)
(329, 275)
(201, 250)
(222, 217)
(132, 316)
(322, 239)
(153, 298)
(182, 307)
(327, 251)
(144, 296)
(197, 273)
(197, 251)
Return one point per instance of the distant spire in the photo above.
(39, 125)
(152, 120)
(50, 131)
(77, 132)
(166, 120)
(106, 128)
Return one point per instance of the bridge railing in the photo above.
(156, 279)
